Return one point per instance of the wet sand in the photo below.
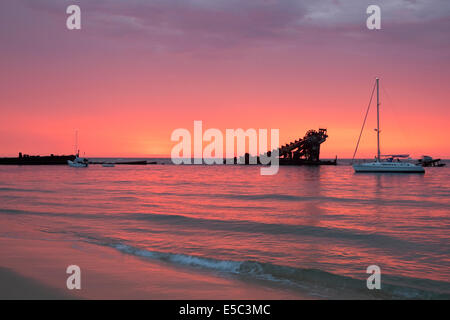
(36, 269)
(14, 286)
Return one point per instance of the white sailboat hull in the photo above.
(401, 167)
(76, 164)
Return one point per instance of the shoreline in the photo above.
(108, 274)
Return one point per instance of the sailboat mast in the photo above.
(378, 119)
(76, 143)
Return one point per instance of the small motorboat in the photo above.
(78, 162)
(427, 161)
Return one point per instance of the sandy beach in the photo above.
(15, 286)
(107, 274)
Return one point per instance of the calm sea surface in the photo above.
(314, 229)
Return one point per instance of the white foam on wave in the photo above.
(316, 282)
(219, 265)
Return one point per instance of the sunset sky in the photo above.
(139, 69)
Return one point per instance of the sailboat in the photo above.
(78, 162)
(392, 163)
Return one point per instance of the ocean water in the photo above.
(311, 229)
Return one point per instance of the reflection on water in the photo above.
(323, 218)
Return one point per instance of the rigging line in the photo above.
(364, 122)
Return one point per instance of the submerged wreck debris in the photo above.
(304, 151)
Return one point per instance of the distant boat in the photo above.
(427, 161)
(108, 165)
(78, 162)
(393, 163)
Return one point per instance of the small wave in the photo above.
(25, 190)
(247, 226)
(244, 226)
(421, 203)
(316, 282)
